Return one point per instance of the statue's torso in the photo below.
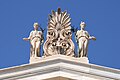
(82, 34)
(36, 35)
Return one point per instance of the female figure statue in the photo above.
(36, 39)
(83, 38)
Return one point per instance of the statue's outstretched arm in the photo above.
(27, 39)
(92, 37)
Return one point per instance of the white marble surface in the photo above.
(59, 66)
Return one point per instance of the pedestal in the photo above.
(39, 59)
(34, 59)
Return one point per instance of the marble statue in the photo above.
(36, 39)
(82, 38)
(59, 35)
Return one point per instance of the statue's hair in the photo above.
(82, 22)
(35, 24)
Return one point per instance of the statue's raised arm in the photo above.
(82, 38)
(36, 39)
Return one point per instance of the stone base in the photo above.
(83, 59)
(34, 59)
(41, 59)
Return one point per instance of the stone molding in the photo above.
(59, 66)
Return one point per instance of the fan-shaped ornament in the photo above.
(59, 35)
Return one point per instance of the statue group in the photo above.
(59, 37)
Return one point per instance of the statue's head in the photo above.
(36, 25)
(82, 24)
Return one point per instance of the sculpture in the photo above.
(83, 38)
(59, 35)
(36, 39)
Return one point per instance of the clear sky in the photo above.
(101, 16)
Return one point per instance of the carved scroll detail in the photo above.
(59, 35)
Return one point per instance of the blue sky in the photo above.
(101, 16)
